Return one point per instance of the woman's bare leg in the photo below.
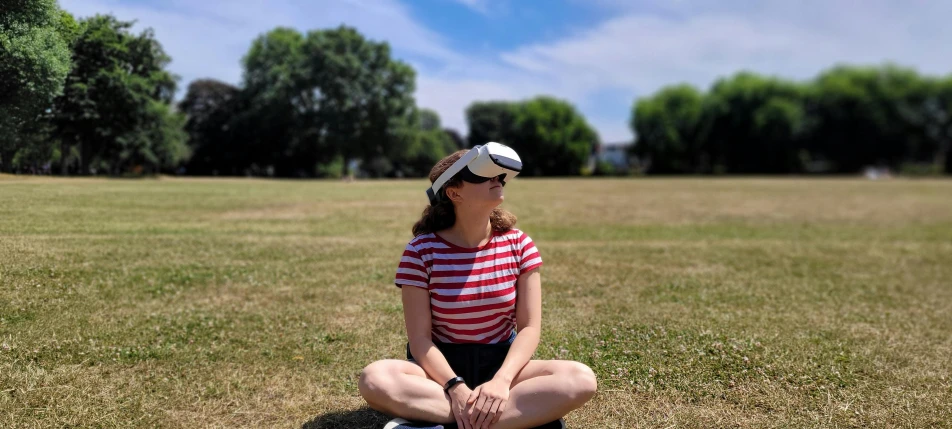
(546, 390)
(402, 389)
(543, 391)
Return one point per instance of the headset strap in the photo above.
(457, 166)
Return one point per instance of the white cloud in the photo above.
(644, 45)
(649, 44)
(208, 38)
(697, 42)
(495, 8)
(481, 6)
(450, 96)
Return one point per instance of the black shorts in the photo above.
(476, 363)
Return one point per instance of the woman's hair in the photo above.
(443, 214)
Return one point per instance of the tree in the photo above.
(780, 126)
(671, 130)
(552, 137)
(846, 118)
(456, 137)
(365, 97)
(34, 61)
(327, 95)
(491, 121)
(280, 106)
(757, 125)
(940, 107)
(429, 145)
(550, 133)
(114, 109)
(867, 115)
(210, 107)
(429, 120)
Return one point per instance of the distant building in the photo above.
(615, 154)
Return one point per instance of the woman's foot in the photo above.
(399, 423)
(558, 424)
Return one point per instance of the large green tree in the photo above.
(34, 60)
(430, 144)
(846, 118)
(671, 129)
(868, 115)
(366, 105)
(491, 121)
(277, 121)
(328, 94)
(756, 125)
(115, 107)
(457, 138)
(210, 107)
(939, 109)
(553, 137)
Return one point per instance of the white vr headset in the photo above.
(479, 164)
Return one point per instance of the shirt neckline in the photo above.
(492, 235)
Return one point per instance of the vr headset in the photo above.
(480, 164)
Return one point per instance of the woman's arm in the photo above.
(416, 312)
(528, 324)
(488, 401)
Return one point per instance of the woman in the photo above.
(475, 284)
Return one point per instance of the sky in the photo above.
(599, 55)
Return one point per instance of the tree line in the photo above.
(845, 119)
(89, 96)
(86, 96)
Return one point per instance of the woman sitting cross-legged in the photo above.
(472, 304)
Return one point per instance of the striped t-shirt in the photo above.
(472, 290)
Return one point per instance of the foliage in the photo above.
(697, 303)
(845, 119)
(491, 121)
(91, 97)
(210, 107)
(553, 138)
(114, 109)
(34, 62)
(329, 93)
(671, 127)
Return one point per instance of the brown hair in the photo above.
(443, 214)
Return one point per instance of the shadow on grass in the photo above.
(363, 418)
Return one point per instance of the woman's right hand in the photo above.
(458, 396)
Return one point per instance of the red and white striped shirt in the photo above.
(472, 290)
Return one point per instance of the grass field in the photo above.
(255, 303)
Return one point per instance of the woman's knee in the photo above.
(583, 381)
(374, 379)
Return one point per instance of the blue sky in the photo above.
(600, 55)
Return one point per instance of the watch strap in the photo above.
(453, 381)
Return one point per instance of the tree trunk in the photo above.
(64, 153)
(83, 159)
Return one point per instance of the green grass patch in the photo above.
(698, 303)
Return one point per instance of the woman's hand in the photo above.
(458, 396)
(486, 403)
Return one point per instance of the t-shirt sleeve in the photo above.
(411, 271)
(529, 257)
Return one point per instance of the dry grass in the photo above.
(699, 303)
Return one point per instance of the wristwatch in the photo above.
(453, 381)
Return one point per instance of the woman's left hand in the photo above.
(487, 403)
